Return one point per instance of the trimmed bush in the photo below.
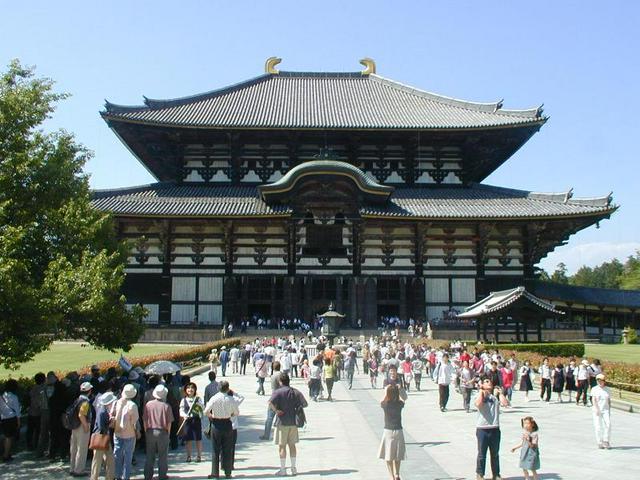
(546, 349)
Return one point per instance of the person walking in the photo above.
(525, 380)
(234, 355)
(373, 371)
(285, 402)
(214, 360)
(601, 411)
(315, 379)
(10, 412)
(125, 415)
(443, 377)
(557, 380)
(157, 417)
(245, 356)
(488, 403)
(80, 434)
(467, 381)
(417, 366)
(581, 375)
(407, 373)
(211, 389)
(350, 366)
(530, 453)
(328, 373)
(35, 410)
(101, 427)
(224, 360)
(545, 380)
(275, 384)
(570, 379)
(191, 410)
(220, 408)
(506, 376)
(235, 420)
(392, 446)
(261, 366)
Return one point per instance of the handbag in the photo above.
(99, 441)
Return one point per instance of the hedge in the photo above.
(182, 355)
(547, 349)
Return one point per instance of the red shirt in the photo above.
(465, 357)
(507, 377)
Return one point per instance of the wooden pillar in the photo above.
(496, 331)
(539, 331)
(228, 248)
(164, 317)
(354, 300)
(308, 298)
(338, 296)
(525, 324)
(356, 255)
(371, 302)
(244, 304)
(478, 321)
(288, 295)
(484, 330)
(601, 324)
(403, 298)
(292, 240)
(518, 331)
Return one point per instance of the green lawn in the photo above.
(614, 353)
(64, 356)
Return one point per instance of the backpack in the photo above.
(70, 419)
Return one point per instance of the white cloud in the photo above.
(590, 254)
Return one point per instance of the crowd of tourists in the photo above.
(104, 417)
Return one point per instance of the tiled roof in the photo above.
(477, 201)
(502, 300)
(322, 100)
(588, 295)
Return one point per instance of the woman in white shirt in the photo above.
(10, 416)
(601, 410)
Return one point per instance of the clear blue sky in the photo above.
(579, 58)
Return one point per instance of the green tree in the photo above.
(606, 275)
(560, 274)
(61, 266)
(630, 277)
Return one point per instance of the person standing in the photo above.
(220, 408)
(601, 410)
(35, 411)
(101, 427)
(557, 380)
(488, 403)
(214, 360)
(157, 418)
(570, 380)
(443, 376)
(545, 380)
(285, 402)
(350, 365)
(261, 365)
(506, 377)
(10, 412)
(530, 453)
(235, 420)
(211, 389)
(80, 435)
(125, 415)
(245, 356)
(224, 360)
(191, 410)
(392, 446)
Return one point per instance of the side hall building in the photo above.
(282, 193)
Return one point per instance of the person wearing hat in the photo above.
(103, 457)
(224, 360)
(125, 415)
(157, 418)
(80, 435)
(214, 360)
(581, 375)
(601, 410)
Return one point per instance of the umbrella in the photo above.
(161, 367)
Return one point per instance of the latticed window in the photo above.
(324, 240)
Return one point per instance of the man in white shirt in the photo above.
(443, 376)
(601, 410)
(220, 409)
(545, 380)
(234, 353)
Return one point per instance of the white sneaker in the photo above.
(281, 473)
(294, 471)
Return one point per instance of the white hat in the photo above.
(223, 347)
(160, 392)
(86, 387)
(107, 399)
(129, 391)
(600, 376)
(585, 363)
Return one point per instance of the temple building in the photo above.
(282, 193)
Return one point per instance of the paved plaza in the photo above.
(341, 440)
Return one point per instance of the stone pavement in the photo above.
(341, 440)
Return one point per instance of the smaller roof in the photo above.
(588, 295)
(505, 299)
(325, 168)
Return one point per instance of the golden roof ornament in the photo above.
(270, 65)
(370, 65)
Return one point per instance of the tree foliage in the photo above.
(612, 274)
(61, 266)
